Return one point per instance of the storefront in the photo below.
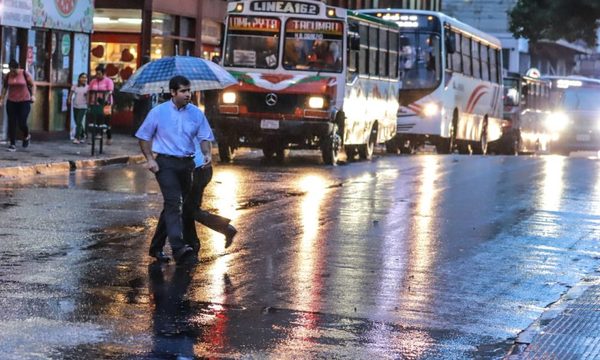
(57, 52)
(15, 19)
(49, 38)
(128, 33)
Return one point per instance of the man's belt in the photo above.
(184, 157)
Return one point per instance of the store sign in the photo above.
(65, 44)
(16, 13)
(254, 23)
(70, 15)
(287, 7)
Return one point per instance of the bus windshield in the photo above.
(581, 99)
(252, 41)
(313, 45)
(420, 61)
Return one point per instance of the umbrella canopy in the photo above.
(153, 77)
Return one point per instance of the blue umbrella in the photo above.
(153, 77)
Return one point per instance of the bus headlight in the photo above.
(229, 97)
(557, 122)
(316, 102)
(431, 109)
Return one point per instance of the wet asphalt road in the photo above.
(416, 257)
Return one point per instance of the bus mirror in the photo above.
(450, 42)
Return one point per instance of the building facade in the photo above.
(128, 33)
(50, 39)
(491, 16)
(434, 5)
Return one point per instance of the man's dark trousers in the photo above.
(193, 200)
(174, 178)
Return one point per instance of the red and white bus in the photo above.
(450, 83)
(311, 76)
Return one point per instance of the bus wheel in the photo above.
(225, 151)
(481, 148)
(365, 151)
(350, 151)
(330, 146)
(392, 146)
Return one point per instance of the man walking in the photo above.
(171, 130)
(202, 175)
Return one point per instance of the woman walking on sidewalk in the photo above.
(79, 96)
(100, 100)
(20, 87)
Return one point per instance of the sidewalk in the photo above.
(570, 329)
(51, 156)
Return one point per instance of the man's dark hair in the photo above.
(100, 68)
(178, 81)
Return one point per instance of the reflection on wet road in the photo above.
(423, 257)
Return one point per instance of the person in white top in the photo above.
(78, 95)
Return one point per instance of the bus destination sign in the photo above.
(287, 7)
(253, 23)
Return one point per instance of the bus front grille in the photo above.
(285, 103)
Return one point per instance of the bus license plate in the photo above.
(269, 124)
(583, 137)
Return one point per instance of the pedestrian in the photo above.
(100, 100)
(20, 87)
(78, 97)
(171, 131)
(202, 175)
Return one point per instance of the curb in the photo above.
(15, 172)
(553, 310)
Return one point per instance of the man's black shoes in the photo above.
(229, 235)
(160, 256)
(184, 255)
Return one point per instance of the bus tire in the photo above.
(365, 151)
(225, 151)
(330, 146)
(447, 146)
(350, 151)
(392, 146)
(481, 147)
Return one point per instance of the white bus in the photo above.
(450, 83)
(311, 76)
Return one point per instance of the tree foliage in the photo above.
(556, 19)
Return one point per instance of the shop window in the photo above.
(186, 48)
(61, 57)
(161, 47)
(187, 27)
(38, 60)
(119, 59)
(163, 24)
(11, 47)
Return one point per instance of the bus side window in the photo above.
(485, 65)
(363, 31)
(457, 56)
(494, 66)
(383, 52)
(373, 41)
(525, 95)
(466, 55)
(352, 50)
(475, 59)
(393, 55)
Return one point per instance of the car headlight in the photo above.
(229, 97)
(431, 109)
(316, 102)
(557, 122)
